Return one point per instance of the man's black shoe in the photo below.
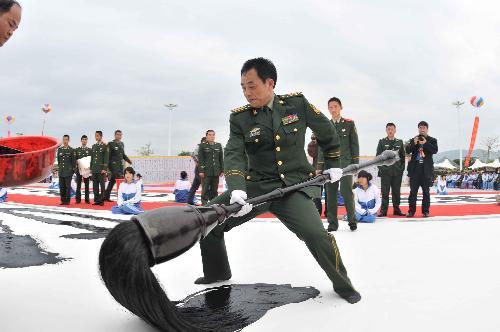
(87, 201)
(108, 200)
(98, 203)
(410, 214)
(353, 226)
(382, 214)
(332, 228)
(399, 213)
(78, 202)
(205, 281)
(352, 298)
(426, 214)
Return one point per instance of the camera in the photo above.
(421, 138)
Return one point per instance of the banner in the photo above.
(157, 169)
(472, 141)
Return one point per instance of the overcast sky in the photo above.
(114, 64)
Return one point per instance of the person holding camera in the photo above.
(421, 168)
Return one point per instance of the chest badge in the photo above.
(255, 132)
(290, 119)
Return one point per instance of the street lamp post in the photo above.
(170, 108)
(457, 104)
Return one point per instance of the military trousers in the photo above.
(111, 183)
(194, 186)
(209, 188)
(98, 187)
(65, 188)
(390, 183)
(332, 203)
(78, 194)
(298, 213)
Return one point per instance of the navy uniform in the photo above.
(391, 176)
(98, 164)
(66, 167)
(79, 153)
(116, 157)
(211, 160)
(348, 154)
(265, 151)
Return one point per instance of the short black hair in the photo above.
(184, 175)
(117, 131)
(209, 131)
(139, 175)
(264, 67)
(6, 5)
(83, 136)
(334, 99)
(390, 124)
(423, 123)
(66, 135)
(129, 170)
(365, 174)
(98, 132)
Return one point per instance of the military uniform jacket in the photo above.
(117, 156)
(211, 159)
(99, 158)
(266, 145)
(349, 145)
(397, 146)
(65, 161)
(79, 153)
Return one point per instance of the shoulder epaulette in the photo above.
(348, 120)
(290, 95)
(241, 109)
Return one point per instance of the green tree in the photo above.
(184, 153)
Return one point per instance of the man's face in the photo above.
(257, 93)
(98, 137)
(9, 22)
(211, 137)
(65, 140)
(334, 108)
(84, 141)
(422, 130)
(391, 131)
(118, 136)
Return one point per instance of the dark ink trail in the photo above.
(233, 307)
(22, 251)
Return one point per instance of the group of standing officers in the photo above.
(106, 162)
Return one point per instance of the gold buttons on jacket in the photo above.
(280, 163)
(278, 137)
(278, 149)
(282, 176)
(256, 140)
(295, 130)
(248, 177)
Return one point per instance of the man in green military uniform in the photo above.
(79, 153)
(116, 157)
(390, 176)
(210, 158)
(265, 151)
(99, 167)
(349, 154)
(66, 164)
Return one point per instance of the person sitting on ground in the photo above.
(441, 186)
(129, 195)
(366, 198)
(181, 188)
(3, 195)
(139, 181)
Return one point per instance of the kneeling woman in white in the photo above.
(129, 195)
(366, 198)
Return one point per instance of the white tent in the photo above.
(478, 164)
(445, 164)
(494, 164)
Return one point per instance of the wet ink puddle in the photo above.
(234, 307)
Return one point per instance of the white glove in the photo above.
(239, 196)
(335, 174)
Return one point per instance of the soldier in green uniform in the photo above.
(66, 165)
(116, 157)
(390, 176)
(349, 154)
(99, 167)
(265, 151)
(79, 153)
(211, 160)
